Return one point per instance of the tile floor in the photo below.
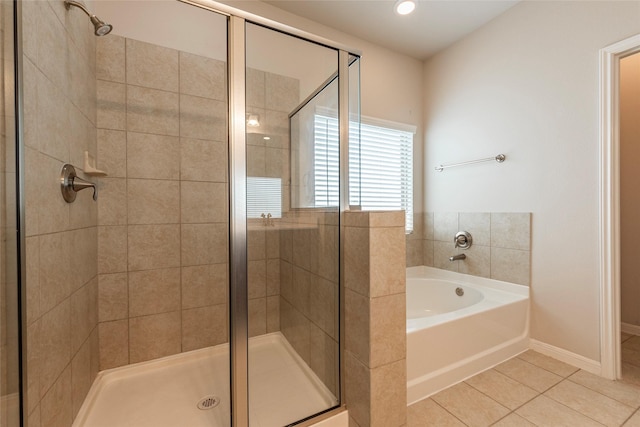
(535, 390)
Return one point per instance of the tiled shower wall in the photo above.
(61, 243)
(163, 209)
(298, 255)
(271, 97)
(309, 273)
(501, 244)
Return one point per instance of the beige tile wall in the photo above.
(308, 303)
(501, 244)
(375, 323)
(162, 214)
(268, 158)
(163, 220)
(62, 238)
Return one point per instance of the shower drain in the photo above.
(208, 402)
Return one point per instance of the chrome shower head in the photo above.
(101, 27)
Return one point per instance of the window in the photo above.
(264, 196)
(380, 167)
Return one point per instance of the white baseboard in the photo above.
(628, 328)
(566, 356)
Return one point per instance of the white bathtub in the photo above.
(451, 337)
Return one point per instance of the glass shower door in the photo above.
(292, 150)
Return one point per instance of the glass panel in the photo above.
(354, 133)
(9, 288)
(135, 283)
(293, 266)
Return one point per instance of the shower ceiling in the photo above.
(431, 27)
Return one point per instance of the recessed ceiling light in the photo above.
(253, 120)
(405, 7)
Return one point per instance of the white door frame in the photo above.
(610, 204)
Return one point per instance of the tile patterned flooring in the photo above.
(535, 390)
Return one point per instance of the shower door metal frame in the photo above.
(238, 277)
(20, 209)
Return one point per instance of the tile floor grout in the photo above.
(539, 393)
(609, 394)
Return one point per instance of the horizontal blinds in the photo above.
(380, 166)
(264, 196)
(326, 165)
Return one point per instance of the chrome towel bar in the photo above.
(499, 158)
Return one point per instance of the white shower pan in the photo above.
(165, 392)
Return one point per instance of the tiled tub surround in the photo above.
(163, 221)
(375, 324)
(501, 247)
(61, 238)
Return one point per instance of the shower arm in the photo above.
(69, 3)
(101, 28)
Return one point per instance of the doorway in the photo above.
(629, 102)
(611, 243)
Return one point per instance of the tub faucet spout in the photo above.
(457, 257)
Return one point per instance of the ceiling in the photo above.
(433, 26)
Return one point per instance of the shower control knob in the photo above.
(463, 240)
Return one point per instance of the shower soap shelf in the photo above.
(90, 166)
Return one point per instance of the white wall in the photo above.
(526, 85)
(629, 184)
(167, 23)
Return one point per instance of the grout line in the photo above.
(447, 411)
(492, 398)
(570, 408)
(551, 372)
(637, 411)
(597, 391)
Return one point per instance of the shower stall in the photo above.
(201, 286)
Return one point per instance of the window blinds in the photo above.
(264, 196)
(380, 166)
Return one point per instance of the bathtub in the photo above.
(452, 337)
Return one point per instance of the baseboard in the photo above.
(628, 328)
(566, 356)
